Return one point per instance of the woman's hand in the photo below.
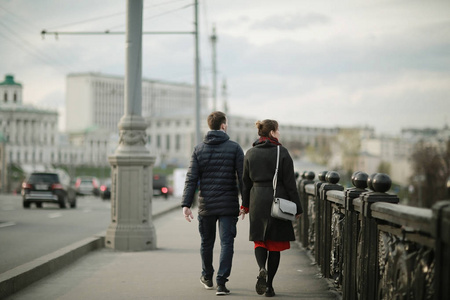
(242, 213)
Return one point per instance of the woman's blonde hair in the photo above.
(266, 126)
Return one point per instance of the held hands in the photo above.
(188, 214)
(242, 213)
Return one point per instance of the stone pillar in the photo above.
(131, 227)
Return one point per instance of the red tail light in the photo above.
(57, 186)
(164, 190)
(77, 184)
(26, 185)
(94, 183)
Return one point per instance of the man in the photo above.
(216, 168)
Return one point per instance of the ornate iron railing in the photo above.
(370, 246)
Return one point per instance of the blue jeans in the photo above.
(227, 232)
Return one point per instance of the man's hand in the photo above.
(188, 214)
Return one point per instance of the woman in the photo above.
(269, 235)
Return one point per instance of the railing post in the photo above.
(351, 230)
(303, 222)
(332, 179)
(441, 232)
(380, 183)
(318, 210)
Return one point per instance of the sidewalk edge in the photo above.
(24, 275)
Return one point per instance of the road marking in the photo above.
(55, 215)
(87, 210)
(7, 224)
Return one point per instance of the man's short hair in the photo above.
(216, 119)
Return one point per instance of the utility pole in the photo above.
(214, 67)
(198, 137)
(225, 96)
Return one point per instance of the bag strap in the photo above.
(275, 177)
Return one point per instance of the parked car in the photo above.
(87, 185)
(160, 186)
(50, 187)
(105, 189)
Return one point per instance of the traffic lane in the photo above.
(27, 234)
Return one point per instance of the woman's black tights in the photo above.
(273, 261)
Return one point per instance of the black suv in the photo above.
(40, 187)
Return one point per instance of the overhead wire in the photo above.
(23, 44)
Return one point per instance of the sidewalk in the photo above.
(173, 270)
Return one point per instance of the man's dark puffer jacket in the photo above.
(217, 166)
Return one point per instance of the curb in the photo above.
(24, 275)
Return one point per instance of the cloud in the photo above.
(291, 22)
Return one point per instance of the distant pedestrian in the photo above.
(270, 235)
(216, 168)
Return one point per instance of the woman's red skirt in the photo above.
(273, 245)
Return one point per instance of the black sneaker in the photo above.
(270, 292)
(261, 283)
(207, 283)
(222, 290)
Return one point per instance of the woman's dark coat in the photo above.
(259, 168)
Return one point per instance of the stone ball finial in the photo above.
(360, 180)
(310, 175)
(370, 181)
(381, 183)
(332, 177)
(322, 176)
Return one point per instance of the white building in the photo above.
(97, 100)
(30, 133)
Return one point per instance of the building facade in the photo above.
(95, 99)
(30, 133)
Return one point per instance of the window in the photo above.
(168, 142)
(158, 141)
(177, 142)
(5, 97)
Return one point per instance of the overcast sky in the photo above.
(384, 64)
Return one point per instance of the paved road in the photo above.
(27, 234)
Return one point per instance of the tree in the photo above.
(384, 167)
(430, 174)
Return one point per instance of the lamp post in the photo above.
(131, 227)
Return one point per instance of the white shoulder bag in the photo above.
(281, 208)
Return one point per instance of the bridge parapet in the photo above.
(370, 246)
